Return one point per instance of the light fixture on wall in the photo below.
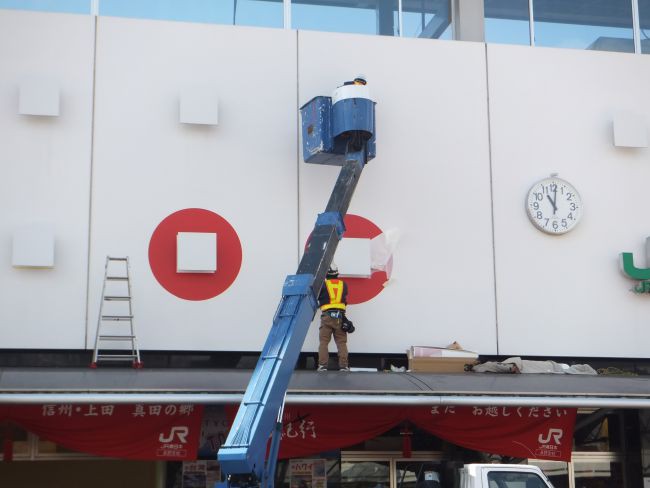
(38, 96)
(196, 252)
(353, 257)
(629, 130)
(199, 105)
(33, 247)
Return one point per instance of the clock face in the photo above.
(554, 206)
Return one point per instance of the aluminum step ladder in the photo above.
(115, 325)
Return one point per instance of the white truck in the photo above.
(502, 476)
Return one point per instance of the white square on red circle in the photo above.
(353, 257)
(196, 252)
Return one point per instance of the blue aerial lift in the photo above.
(337, 130)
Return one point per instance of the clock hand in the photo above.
(552, 203)
(555, 200)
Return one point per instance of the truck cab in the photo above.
(502, 476)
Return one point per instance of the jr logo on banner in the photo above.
(148, 432)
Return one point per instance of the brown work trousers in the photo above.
(330, 326)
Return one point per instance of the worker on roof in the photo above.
(332, 301)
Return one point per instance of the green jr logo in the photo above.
(641, 274)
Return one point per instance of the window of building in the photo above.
(584, 24)
(644, 24)
(429, 19)
(599, 431)
(263, 13)
(365, 474)
(63, 6)
(284, 478)
(419, 474)
(596, 473)
(507, 21)
(351, 16)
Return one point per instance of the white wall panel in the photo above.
(45, 177)
(430, 180)
(435, 182)
(551, 111)
(147, 166)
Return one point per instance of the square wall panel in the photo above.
(33, 247)
(353, 258)
(199, 106)
(630, 130)
(196, 252)
(38, 96)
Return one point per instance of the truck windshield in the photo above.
(509, 479)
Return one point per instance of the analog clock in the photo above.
(553, 205)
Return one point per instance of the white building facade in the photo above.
(119, 132)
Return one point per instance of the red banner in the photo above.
(171, 432)
(310, 429)
(526, 432)
(151, 432)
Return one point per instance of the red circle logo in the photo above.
(363, 289)
(194, 286)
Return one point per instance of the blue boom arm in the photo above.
(242, 456)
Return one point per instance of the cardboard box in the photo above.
(428, 351)
(438, 364)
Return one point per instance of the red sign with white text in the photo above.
(526, 432)
(149, 432)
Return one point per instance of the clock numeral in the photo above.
(569, 196)
(546, 223)
(570, 216)
(535, 206)
(539, 196)
(572, 206)
(539, 215)
(564, 223)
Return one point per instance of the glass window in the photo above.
(353, 16)
(598, 474)
(507, 21)
(283, 475)
(418, 474)
(644, 22)
(365, 474)
(584, 24)
(556, 471)
(64, 6)
(263, 13)
(512, 479)
(597, 432)
(426, 18)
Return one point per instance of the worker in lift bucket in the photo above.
(333, 322)
(359, 80)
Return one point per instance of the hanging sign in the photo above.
(642, 275)
(151, 432)
(526, 432)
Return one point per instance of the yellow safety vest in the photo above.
(335, 292)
